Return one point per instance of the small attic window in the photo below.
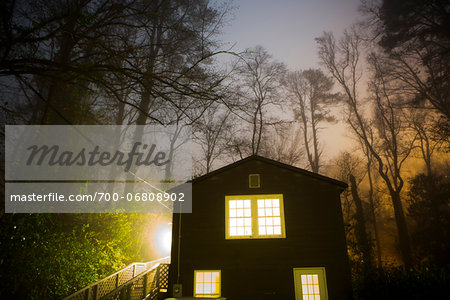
(254, 181)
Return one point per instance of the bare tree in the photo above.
(415, 38)
(349, 169)
(392, 147)
(311, 97)
(261, 79)
(372, 196)
(211, 132)
(58, 52)
(68, 55)
(282, 143)
(422, 122)
(361, 232)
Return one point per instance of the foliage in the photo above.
(67, 62)
(423, 282)
(429, 198)
(415, 37)
(46, 256)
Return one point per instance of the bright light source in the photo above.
(163, 239)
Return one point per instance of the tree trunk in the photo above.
(374, 220)
(361, 233)
(403, 236)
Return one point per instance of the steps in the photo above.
(135, 282)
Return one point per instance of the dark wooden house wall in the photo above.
(263, 268)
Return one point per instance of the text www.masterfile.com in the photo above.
(98, 197)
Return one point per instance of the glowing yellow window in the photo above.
(254, 216)
(240, 218)
(269, 217)
(310, 284)
(207, 283)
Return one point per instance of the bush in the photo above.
(424, 282)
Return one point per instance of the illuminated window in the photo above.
(240, 216)
(269, 217)
(254, 216)
(310, 284)
(207, 283)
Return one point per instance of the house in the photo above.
(261, 229)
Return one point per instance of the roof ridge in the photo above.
(274, 162)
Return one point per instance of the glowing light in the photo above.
(207, 283)
(163, 239)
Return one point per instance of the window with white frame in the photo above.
(310, 284)
(207, 283)
(254, 216)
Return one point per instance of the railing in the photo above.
(149, 285)
(119, 280)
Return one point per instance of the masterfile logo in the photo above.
(97, 168)
(53, 156)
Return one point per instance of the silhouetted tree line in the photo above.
(401, 52)
(97, 62)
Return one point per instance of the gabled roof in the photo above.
(340, 184)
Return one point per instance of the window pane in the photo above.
(315, 279)
(269, 230)
(276, 203)
(199, 276)
(207, 277)
(240, 222)
(248, 222)
(261, 212)
(268, 202)
(207, 288)
(199, 288)
(232, 213)
(262, 230)
(232, 204)
(276, 221)
(276, 211)
(316, 289)
(233, 231)
(262, 221)
(268, 211)
(277, 230)
(260, 203)
(215, 277)
(240, 231)
(247, 203)
(247, 212)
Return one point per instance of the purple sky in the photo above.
(287, 28)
